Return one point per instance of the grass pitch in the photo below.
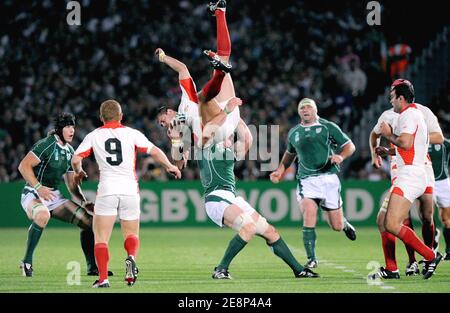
(181, 260)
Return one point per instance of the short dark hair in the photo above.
(403, 87)
(161, 110)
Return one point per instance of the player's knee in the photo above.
(271, 235)
(262, 226)
(248, 231)
(390, 225)
(41, 217)
(337, 226)
(445, 216)
(85, 222)
(380, 221)
(245, 226)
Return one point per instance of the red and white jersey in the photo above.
(389, 117)
(189, 99)
(115, 147)
(411, 121)
(430, 119)
(189, 107)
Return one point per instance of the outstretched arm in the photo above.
(162, 159)
(173, 63)
(286, 161)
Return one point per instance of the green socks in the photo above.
(234, 247)
(309, 241)
(34, 234)
(87, 244)
(282, 251)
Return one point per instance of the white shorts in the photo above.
(229, 126)
(128, 206)
(442, 193)
(411, 182)
(430, 178)
(325, 188)
(29, 194)
(217, 201)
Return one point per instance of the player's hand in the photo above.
(377, 161)
(46, 193)
(275, 176)
(233, 103)
(382, 151)
(78, 178)
(336, 159)
(172, 169)
(385, 129)
(159, 53)
(89, 206)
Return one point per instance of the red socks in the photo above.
(131, 244)
(223, 37)
(212, 87)
(102, 258)
(411, 253)
(388, 242)
(410, 238)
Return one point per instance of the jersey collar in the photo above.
(65, 146)
(112, 124)
(412, 105)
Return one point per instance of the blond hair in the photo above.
(110, 110)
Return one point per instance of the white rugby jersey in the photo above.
(389, 117)
(411, 121)
(189, 107)
(115, 147)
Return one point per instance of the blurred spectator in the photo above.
(399, 55)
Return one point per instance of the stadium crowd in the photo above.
(323, 50)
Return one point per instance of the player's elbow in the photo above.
(22, 167)
(436, 138)
(349, 148)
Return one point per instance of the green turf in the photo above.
(182, 259)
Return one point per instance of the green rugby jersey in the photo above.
(440, 155)
(216, 165)
(55, 161)
(313, 145)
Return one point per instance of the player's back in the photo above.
(115, 147)
(430, 119)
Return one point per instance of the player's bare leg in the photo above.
(388, 242)
(338, 222)
(397, 211)
(130, 231)
(40, 215)
(279, 247)
(426, 216)
(72, 213)
(102, 226)
(235, 218)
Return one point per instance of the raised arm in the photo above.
(173, 63)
